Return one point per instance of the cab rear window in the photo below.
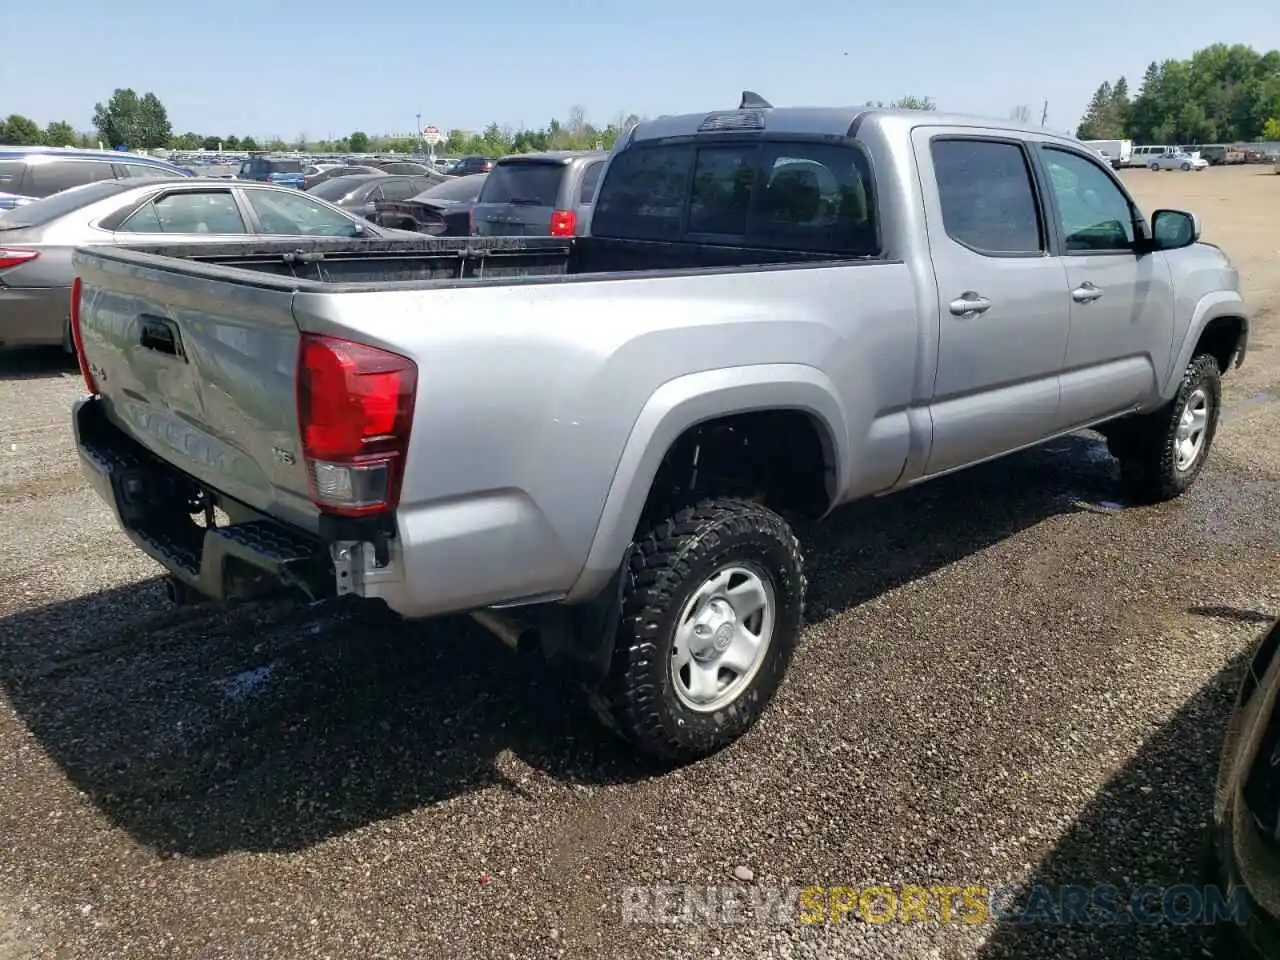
(790, 196)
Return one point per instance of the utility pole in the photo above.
(1044, 116)
(417, 131)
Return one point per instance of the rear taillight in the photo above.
(10, 257)
(77, 338)
(355, 411)
(563, 223)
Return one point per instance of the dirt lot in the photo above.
(1009, 677)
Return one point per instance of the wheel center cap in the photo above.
(722, 638)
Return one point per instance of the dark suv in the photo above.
(33, 173)
(282, 170)
(539, 194)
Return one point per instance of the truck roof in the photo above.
(819, 121)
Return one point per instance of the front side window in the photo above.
(188, 213)
(1093, 212)
(987, 196)
(290, 213)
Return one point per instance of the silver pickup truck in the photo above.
(591, 443)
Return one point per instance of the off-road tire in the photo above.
(669, 561)
(1145, 446)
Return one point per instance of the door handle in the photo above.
(1085, 293)
(969, 304)
(161, 335)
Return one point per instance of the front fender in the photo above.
(683, 403)
(1215, 304)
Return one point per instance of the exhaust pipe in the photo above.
(512, 631)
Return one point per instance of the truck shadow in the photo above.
(271, 726)
(1147, 825)
(35, 363)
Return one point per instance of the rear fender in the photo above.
(683, 403)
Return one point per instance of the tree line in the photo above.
(141, 122)
(1222, 94)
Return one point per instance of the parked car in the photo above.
(539, 194)
(410, 167)
(37, 240)
(359, 194)
(278, 170)
(33, 173)
(443, 210)
(603, 466)
(1246, 808)
(1178, 160)
(311, 181)
(469, 165)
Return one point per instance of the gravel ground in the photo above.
(1008, 678)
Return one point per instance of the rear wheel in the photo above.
(1155, 167)
(1161, 454)
(1186, 166)
(711, 612)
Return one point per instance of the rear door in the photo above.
(519, 198)
(1003, 305)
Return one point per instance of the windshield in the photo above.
(336, 188)
(463, 188)
(40, 212)
(535, 184)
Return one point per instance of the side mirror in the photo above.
(1174, 229)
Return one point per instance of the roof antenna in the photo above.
(753, 101)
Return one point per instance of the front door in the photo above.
(1121, 335)
(1002, 297)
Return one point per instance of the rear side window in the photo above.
(590, 180)
(790, 196)
(285, 166)
(45, 178)
(529, 184)
(987, 195)
(188, 213)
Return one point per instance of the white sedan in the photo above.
(1176, 160)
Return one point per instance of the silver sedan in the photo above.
(38, 239)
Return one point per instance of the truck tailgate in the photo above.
(197, 363)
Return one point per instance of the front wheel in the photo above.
(1186, 166)
(1155, 167)
(712, 607)
(1162, 453)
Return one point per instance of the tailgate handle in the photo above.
(160, 335)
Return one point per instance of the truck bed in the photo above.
(449, 260)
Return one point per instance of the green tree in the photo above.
(117, 121)
(1099, 122)
(358, 142)
(1223, 93)
(248, 143)
(187, 141)
(1271, 129)
(153, 123)
(21, 131)
(60, 134)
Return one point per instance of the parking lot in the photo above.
(1008, 677)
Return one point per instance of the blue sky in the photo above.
(326, 68)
